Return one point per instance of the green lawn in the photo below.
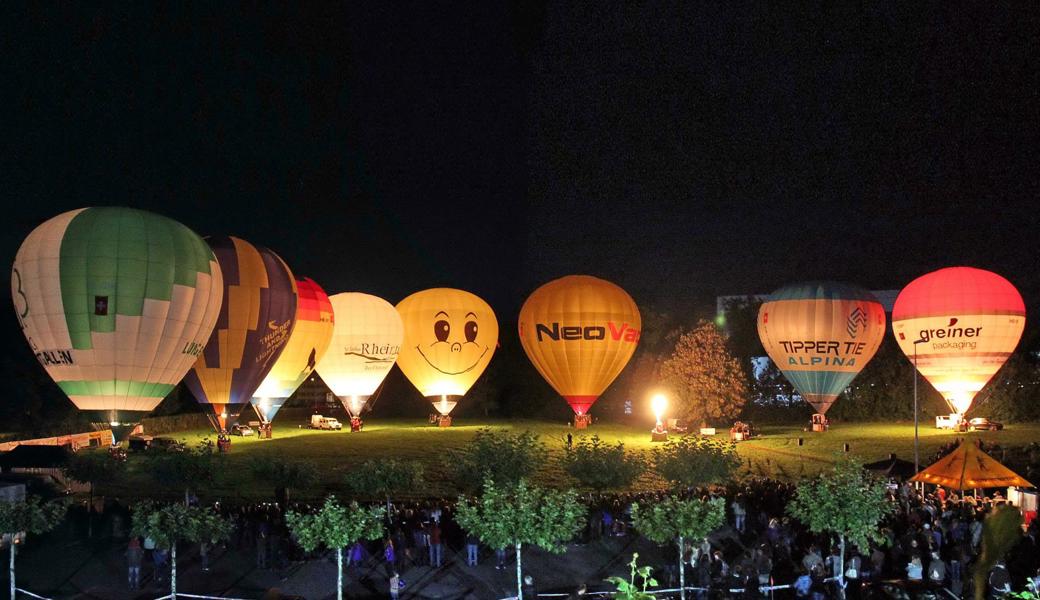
(774, 454)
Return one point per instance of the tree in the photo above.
(92, 467)
(384, 478)
(183, 468)
(691, 460)
(597, 465)
(168, 524)
(845, 501)
(522, 514)
(503, 457)
(29, 516)
(336, 526)
(708, 382)
(677, 519)
(285, 474)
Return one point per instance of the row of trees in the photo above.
(509, 510)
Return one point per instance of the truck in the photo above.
(320, 422)
(953, 421)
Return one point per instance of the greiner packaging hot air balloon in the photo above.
(255, 322)
(449, 337)
(116, 303)
(962, 324)
(579, 332)
(307, 343)
(821, 335)
(365, 343)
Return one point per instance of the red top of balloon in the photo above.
(957, 290)
(312, 300)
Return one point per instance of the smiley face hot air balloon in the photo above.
(307, 344)
(255, 322)
(962, 324)
(579, 332)
(365, 343)
(821, 335)
(449, 337)
(116, 303)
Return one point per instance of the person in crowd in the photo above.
(395, 586)
(812, 558)
(528, 588)
(999, 580)
(472, 549)
(500, 558)
(436, 548)
(739, 513)
(914, 570)
(134, 556)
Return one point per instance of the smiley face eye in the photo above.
(471, 331)
(441, 329)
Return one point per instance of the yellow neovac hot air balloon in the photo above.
(449, 337)
(117, 303)
(580, 332)
(821, 335)
(962, 324)
(307, 344)
(365, 343)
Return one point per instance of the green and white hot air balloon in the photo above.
(117, 304)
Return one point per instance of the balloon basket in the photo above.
(819, 423)
(444, 421)
(582, 421)
(658, 436)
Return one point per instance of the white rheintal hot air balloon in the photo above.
(366, 339)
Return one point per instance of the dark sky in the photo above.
(681, 150)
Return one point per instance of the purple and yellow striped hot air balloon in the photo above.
(255, 323)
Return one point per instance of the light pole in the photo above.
(917, 461)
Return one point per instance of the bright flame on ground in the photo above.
(659, 403)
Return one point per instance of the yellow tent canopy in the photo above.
(968, 467)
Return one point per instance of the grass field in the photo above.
(335, 453)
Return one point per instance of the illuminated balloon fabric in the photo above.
(308, 342)
(970, 321)
(365, 343)
(449, 337)
(821, 335)
(579, 332)
(116, 303)
(255, 322)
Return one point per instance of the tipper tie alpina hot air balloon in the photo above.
(821, 335)
(365, 343)
(579, 332)
(255, 322)
(959, 325)
(307, 344)
(116, 303)
(449, 338)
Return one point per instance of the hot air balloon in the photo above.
(116, 304)
(365, 343)
(958, 325)
(307, 343)
(579, 332)
(449, 337)
(256, 320)
(821, 335)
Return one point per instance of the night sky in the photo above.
(682, 151)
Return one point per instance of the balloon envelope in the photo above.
(116, 303)
(255, 321)
(821, 335)
(967, 322)
(449, 338)
(307, 343)
(365, 342)
(579, 332)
